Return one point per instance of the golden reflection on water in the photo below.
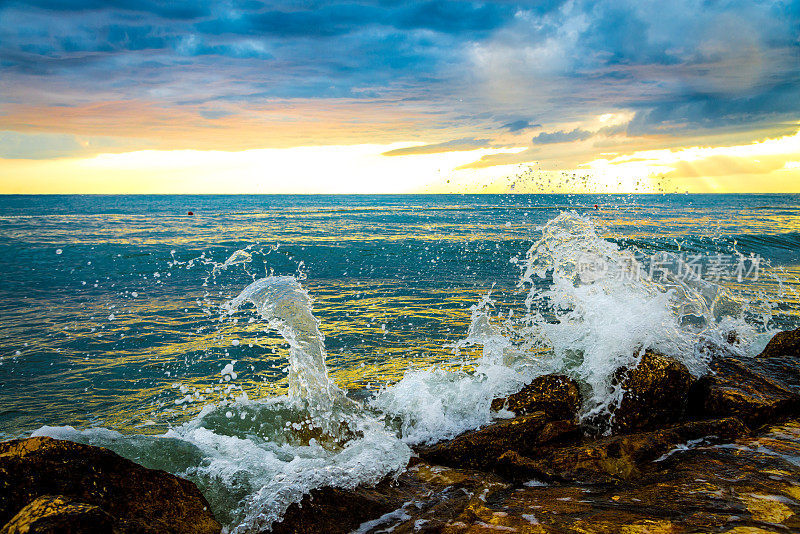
(283, 227)
(686, 221)
(377, 225)
(128, 372)
(374, 334)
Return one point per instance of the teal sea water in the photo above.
(267, 345)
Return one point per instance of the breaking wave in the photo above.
(589, 309)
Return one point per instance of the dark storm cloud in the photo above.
(710, 111)
(453, 17)
(577, 134)
(265, 49)
(727, 64)
(328, 21)
(332, 19)
(680, 66)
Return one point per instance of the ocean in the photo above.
(267, 345)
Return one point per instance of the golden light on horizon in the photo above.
(721, 169)
(311, 169)
(364, 168)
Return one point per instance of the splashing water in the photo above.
(590, 309)
(253, 459)
(599, 312)
(431, 405)
(237, 258)
(286, 306)
(587, 311)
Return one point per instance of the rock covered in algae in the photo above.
(655, 393)
(783, 344)
(616, 458)
(439, 494)
(57, 514)
(138, 499)
(748, 486)
(737, 388)
(480, 449)
(334, 511)
(781, 358)
(558, 396)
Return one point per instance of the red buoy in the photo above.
(191, 213)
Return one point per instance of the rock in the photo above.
(735, 489)
(59, 515)
(138, 499)
(737, 389)
(334, 511)
(558, 396)
(446, 477)
(781, 358)
(749, 487)
(424, 498)
(655, 394)
(480, 449)
(783, 344)
(615, 458)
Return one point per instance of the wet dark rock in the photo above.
(615, 458)
(558, 396)
(680, 483)
(59, 515)
(781, 358)
(480, 449)
(334, 511)
(783, 344)
(748, 487)
(138, 499)
(745, 389)
(706, 489)
(655, 394)
(440, 492)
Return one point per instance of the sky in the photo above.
(247, 96)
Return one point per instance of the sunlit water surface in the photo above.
(112, 311)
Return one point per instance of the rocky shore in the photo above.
(50, 485)
(679, 454)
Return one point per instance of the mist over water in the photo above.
(270, 345)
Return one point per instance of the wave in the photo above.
(587, 312)
(582, 323)
(254, 458)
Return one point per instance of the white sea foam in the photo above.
(583, 322)
(252, 469)
(434, 404)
